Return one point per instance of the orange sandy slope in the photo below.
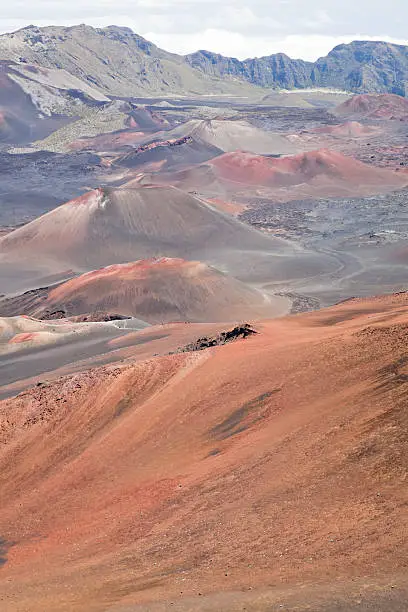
(277, 462)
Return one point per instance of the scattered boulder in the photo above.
(238, 332)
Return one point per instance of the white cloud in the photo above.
(240, 28)
(309, 47)
(320, 19)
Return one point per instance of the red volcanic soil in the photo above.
(320, 173)
(241, 476)
(161, 290)
(131, 123)
(352, 129)
(374, 106)
(232, 208)
(339, 171)
(19, 338)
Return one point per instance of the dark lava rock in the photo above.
(238, 332)
(98, 317)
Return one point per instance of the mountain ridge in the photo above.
(115, 60)
(121, 63)
(359, 67)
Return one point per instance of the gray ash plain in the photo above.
(368, 236)
(35, 183)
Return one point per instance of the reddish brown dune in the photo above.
(250, 475)
(351, 129)
(374, 106)
(299, 169)
(159, 291)
(321, 173)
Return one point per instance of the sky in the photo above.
(305, 29)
